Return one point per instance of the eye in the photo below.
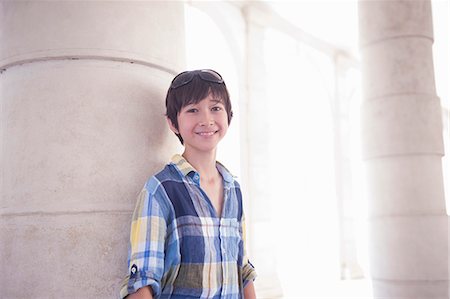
(192, 110)
(216, 108)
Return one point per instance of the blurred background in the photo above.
(308, 210)
(82, 97)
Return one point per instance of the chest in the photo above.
(215, 194)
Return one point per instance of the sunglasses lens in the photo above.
(211, 76)
(186, 77)
(182, 79)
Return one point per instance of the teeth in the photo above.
(206, 133)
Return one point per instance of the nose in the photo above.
(207, 119)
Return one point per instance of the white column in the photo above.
(82, 92)
(263, 249)
(403, 147)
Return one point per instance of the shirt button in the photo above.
(196, 177)
(133, 270)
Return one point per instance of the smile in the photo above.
(206, 133)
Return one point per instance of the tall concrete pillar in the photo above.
(82, 127)
(403, 147)
(268, 283)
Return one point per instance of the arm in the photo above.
(248, 272)
(249, 291)
(145, 264)
(144, 293)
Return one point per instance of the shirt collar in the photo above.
(186, 168)
(183, 165)
(226, 174)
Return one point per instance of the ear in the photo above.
(172, 126)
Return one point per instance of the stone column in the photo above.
(82, 90)
(402, 148)
(257, 153)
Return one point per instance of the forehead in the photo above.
(211, 98)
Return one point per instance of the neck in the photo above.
(204, 163)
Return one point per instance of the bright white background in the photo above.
(301, 101)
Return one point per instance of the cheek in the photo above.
(226, 120)
(185, 124)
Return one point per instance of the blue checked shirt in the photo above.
(179, 246)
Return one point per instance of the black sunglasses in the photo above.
(186, 77)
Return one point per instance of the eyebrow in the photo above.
(217, 100)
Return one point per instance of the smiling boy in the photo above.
(187, 235)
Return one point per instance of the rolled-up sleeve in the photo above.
(248, 271)
(146, 248)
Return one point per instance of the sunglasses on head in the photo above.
(186, 77)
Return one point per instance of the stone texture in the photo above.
(77, 139)
(401, 66)
(381, 20)
(409, 289)
(390, 129)
(409, 248)
(141, 30)
(402, 145)
(82, 127)
(401, 186)
(73, 255)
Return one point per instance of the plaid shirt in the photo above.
(179, 246)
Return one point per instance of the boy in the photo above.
(187, 234)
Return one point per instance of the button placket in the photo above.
(223, 255)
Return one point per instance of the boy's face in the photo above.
(202, 125)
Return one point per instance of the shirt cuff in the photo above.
(137, 280)
(248, 273)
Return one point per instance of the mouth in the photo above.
(206, 134)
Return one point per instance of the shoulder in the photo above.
(159, 180)
(167, 186)
(157, 187)
(227, 175)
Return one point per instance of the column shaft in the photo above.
(403, 147)
(82, 127)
